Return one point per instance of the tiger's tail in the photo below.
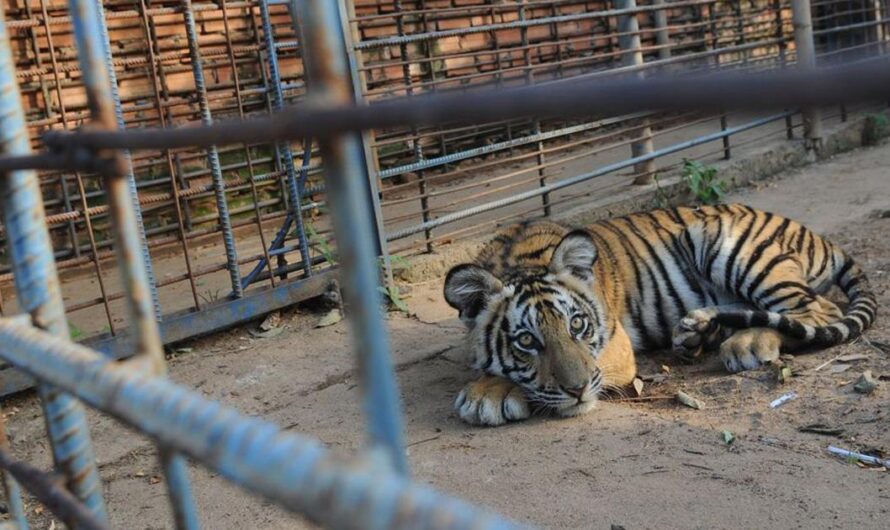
(859, 316)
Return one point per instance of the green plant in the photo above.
(661, 198)
(320, 243)
(209, 296)
(876, 127)
(392, 294)
(75, 332)
(702, 181)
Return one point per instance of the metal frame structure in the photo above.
(175, 64)
(295, 472)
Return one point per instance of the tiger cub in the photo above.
(555, 315)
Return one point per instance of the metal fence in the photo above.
(293, 471)
(226, 226)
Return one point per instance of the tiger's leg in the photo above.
(697, 332)
(491, 401)
(782, 288)
(750, 348)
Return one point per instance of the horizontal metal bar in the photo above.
(550, 188)
(295, 472)
(574, 100)
(500, 146)
(418, 37)
(189, 324)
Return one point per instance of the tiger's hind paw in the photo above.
(692, 334)
(491, 401)
(750, 348)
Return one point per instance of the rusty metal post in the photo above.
(353, 63)
(629, 42)
(125, 157)
(39, 293)
(662, 35)
(329, 83)
(805, 48)
(98, 79)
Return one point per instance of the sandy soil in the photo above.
(638, 464)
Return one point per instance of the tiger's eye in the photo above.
(525, 340)
(577, 324)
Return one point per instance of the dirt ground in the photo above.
(638, 464)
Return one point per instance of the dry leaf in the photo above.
(665, 368)
(852, 357)
(329, 319)
(654, 378)
(154, 480)
(689, 401)
(821, 428)
(638, 386)
(274, 332)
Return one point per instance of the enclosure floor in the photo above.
(635, 464)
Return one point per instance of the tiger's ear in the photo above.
(576, 254)
(468, 288)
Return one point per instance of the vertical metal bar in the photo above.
(47, 27)
(236, 80)
(418, 149)
(185, 514)
(740, 38)
(285, 154)
(662, 35)
(530, 79)
(219, 183)
(727, 151)
(174, 168)
(629, 42)
(329, 83)
(130, 176)
(72, 225)
(783, 56)
(267, 96)
(88, 21)
(11, 489)
(183, 184)
(806, 59)
(47, 98)
(353, 64)
(39, 292)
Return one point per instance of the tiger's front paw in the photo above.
(692, 334)
(491, 401)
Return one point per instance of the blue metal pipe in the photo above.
(39, 294)
(346, 177)
(219, 184)
(294, 184)
(130, 176)
(293, 471)
(185, 514)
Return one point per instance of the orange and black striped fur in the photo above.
(555, 315)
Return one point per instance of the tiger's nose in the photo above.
(576, 392)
